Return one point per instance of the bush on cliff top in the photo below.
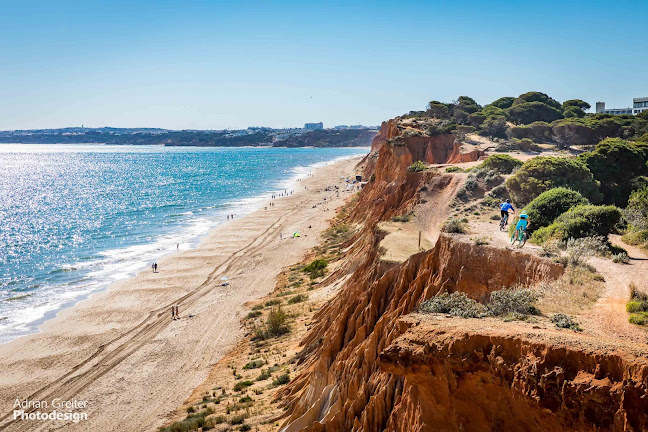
(507, 301)
(616, 164)
(542, 173)
(417, 167)
(505, 164)
(550, 204)
(578, 222)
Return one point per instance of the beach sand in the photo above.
(121, 353)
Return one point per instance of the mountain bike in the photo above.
(519, 236)
(504, 221)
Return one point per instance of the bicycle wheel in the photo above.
(523, 238)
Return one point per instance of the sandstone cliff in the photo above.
(476, 375)
(342, 386)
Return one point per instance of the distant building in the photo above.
(314, 126)
(638, 105)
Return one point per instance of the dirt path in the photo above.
(609, 316)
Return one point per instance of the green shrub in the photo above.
(457, 304)
(512, 300)
(499, 191)
(529, 112)
(616, 164)
(237, 419)
(637, 210)
(245, 428)
(636, 306)
(265, 374)
(242, 385)
(254, 364)
(579, 249)
(316, 268)
(565, 321)
(453, 169)
(534, 132)
(524, 144)
(272, 302)
(454, 225)
(253, 314)
(547, 206)
(621, 258)
(640, 318)
(505, 164)
(503, 102)
(281, 380)
(540, 174)
(535, 96)
(298, 298)
(402, 218)
(417, 167)
(276, 322)
(636, 238)
(580, 221)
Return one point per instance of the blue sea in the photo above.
(76, 218)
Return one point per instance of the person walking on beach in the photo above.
(154, 267)
(177, 313)
(173, 313)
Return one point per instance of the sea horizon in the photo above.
(33, 291)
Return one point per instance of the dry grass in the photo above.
(577, 290)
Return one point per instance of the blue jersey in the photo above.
(522, 223)
(506, 206)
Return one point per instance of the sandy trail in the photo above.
(609, 316)
(121, 352)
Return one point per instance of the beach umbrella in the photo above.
(296, 234)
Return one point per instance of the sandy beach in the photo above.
(122, 355)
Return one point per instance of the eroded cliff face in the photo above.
(393, 150)
(477, 375)
(343, 387)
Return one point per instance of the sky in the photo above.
(215, 65)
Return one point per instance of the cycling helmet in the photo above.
(524, 216)
(508, 201)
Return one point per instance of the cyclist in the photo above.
(522, 224)
(504, 208)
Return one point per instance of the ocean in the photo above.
(76, 218)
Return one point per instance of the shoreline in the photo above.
(119, 349)
(186, 236)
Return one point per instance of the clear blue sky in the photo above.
(211, 64)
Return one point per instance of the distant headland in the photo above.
(311, 135)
